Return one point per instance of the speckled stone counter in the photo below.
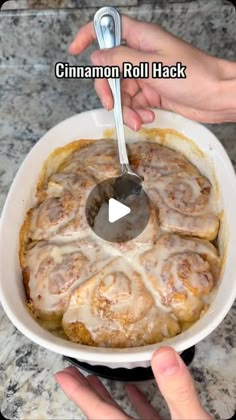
(32, 101)
(47, 4)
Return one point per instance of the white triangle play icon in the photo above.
(116, 210)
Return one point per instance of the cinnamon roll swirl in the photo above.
(51, 270)
(62, 212)
(183, 272)
(187, 204)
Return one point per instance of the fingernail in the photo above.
(71, 47)
(69, 368)
(167, 362)
(151, 117)
(136, 126)
(106, 103)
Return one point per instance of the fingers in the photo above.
(147, 115)
(134, 116)
(71, 370)
(85, 37)
(97, 385)
(136, 34)
(135, 113)
(78, 389)
(128, 89)
(131, 118)
(130, 86)
(176, 385)
(117, 56)
(139, 101)
(140, 403)
(152, 96)
(104, 93)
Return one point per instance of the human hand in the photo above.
(207, 94)
(172, 377)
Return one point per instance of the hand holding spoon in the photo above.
(107, 24)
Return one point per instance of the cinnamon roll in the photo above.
(51, 270)
(99, 159)
(183, 272)
(62, 213)
(152, 161)
(114, 309)
(187, 204)
(59, 183)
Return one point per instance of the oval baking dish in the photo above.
(204, 151)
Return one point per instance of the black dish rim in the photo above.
(122, 374)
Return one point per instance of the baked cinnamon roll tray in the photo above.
(113, 303)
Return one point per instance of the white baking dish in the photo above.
(21, 196)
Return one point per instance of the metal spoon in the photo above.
(107, 25)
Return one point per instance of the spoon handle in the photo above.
(107, 25)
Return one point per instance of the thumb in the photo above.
(176, 386)
(118, 55)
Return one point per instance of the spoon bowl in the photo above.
(128, 183)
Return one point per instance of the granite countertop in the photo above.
(32, 101)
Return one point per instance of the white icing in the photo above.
(80, 265)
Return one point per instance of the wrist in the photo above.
(226, 89)
(226, 69)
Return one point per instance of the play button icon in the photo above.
(116, 210)
(115, 218)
